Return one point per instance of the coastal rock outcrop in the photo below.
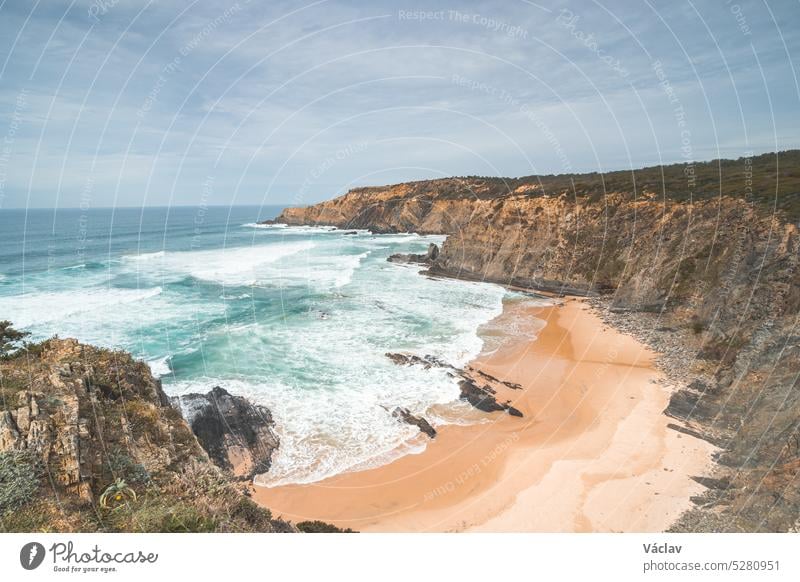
(698, 260)
(237, 435)
(81, 402)
(76, 420)
(481, 397)
(426, 361)
(427, 259)
(421, 423)
(492, 379)
(484, 398)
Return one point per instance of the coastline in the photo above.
(592, 452)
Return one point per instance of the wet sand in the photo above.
(592, 452)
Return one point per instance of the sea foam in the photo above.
(267, 226)
(160, 366)
(307, 337)
(228, 266)
(35, 309)
(324, 374)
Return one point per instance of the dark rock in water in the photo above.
(236, 434)
(350, 233)
(405, 415)
(484, 398)
(428, 258)
(406, 258)
(399, 359)
(410, 359)
(268, 222)
(481, 398)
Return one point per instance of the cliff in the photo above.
(89, 442)
(698, 260)
(237, 435)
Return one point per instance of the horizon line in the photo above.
(128, 207)
(747, 155)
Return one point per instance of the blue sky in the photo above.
(123, 103)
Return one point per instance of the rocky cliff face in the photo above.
(80, 403)
(75, 419)
(700, 261)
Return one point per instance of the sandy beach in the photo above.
(591, 453)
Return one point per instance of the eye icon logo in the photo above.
(31, 555)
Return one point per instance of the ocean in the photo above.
(296, 318)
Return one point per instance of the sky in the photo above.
(127, 103)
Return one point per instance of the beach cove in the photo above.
(592, 452)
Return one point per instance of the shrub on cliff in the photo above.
(9, 338)
(260, 518)
(317, 526)
(19, 479)
(120, 464)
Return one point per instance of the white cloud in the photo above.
(260, 93)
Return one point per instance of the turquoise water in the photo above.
(296, 318)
